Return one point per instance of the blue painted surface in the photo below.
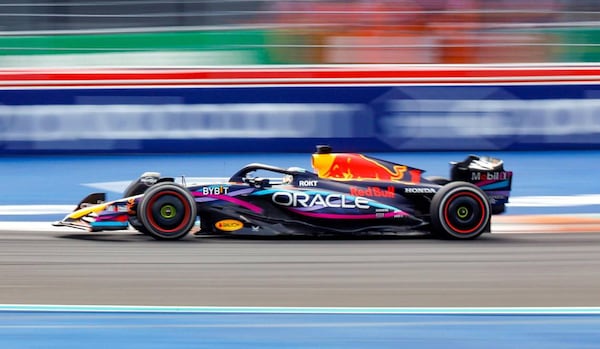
(61, 179)
(281, 330)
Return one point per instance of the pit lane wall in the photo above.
(292, 108)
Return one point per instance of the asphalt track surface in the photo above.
(518, 269)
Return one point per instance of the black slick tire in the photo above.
(167, 211)
(461, 211)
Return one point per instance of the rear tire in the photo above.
(167, 211)
(460, 210)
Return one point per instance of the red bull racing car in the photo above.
(347, 194)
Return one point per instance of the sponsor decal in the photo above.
(356, 167)
(149, 180)
(176, 120)
(489, 176)
(215, 190)
(377, 192)
(229, 225)
(300, 199)
(419, 190)
(308, 183)
(511, 116)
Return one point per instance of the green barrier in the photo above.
(198, 40)
(246, 46)
(580, 44)
(572, 44)
(224, 47)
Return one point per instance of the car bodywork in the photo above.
(347, 193)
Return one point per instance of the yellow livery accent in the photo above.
(86, 211)
(229, 225)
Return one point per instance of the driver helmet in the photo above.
(288, 179)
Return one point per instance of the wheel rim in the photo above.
(168, 212)
(462, 212)
(465, 212)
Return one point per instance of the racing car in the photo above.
(347, 194)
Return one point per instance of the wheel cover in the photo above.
(168, 211)
(462, 212)
(465, 212)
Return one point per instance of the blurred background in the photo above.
(398, 77)
(246, 32)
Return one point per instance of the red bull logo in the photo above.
(360, 167)
(373, 192)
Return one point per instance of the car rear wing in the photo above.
(488, 174)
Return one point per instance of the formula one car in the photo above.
(347, 194)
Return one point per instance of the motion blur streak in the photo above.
(208, 32)
(256, 330)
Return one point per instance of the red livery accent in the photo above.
(376, 192)
(348, 166)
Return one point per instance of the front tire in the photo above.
(167, 211)
(460, 210)
(137, 225)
